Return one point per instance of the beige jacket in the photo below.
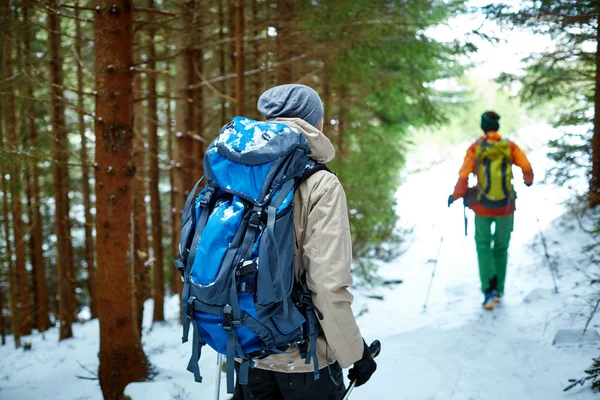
(324, 251)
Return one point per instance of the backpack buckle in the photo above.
(205, 201)
(179, 265)
(227, 318)
(246, 268)
(254, 221)
(189, 310)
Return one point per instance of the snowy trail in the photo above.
(455, 350)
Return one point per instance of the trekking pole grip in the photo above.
(374, 350)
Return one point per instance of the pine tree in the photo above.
(60, 154)
(122, 358)
(568, 67)
(85, 178)
(153, 150)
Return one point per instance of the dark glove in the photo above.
(362, 370)
(450, 200)
(528, 184)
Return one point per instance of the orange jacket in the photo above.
(468, 167)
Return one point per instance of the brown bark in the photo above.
(232, 40)
(157, 231)
(256, 86)
(140, 213)
(36, 223)
(594, 192)
(198, 148)
(24, 298)
(86, 189)
(12, 277)
(239, 56)
(60, 154)
(31, 242)
(8, 253)
(184, 118)
(222, 64)
(283, 41)
(122, 358)
(174, 275)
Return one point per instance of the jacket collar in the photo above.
(320, 145)
(491, 137)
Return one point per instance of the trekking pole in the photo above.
(374, 349)
(466, 220)
(549, 261)
(218, 380)
(433, 272)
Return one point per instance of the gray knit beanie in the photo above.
(292, 101)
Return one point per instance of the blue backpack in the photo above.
(240, 294)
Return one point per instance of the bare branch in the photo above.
(11, 78)
(247, 73)
(155, 11)
(138, 70)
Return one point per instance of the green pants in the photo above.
(492, 250)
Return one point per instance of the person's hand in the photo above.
(362, 370)
(450, 200)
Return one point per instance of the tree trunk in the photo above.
(8, 254)
(222, 62)
(122, 358)
(232, 43)
(157, 231)
(140, 214)
(256, 85)
(184, 117)
(283, 41)
(31, 242)
(37, 234)
(239, 56)
(60, 154)
(86, 189)
(15, 189)
(174, 281)
(199, 111)
(12, 277)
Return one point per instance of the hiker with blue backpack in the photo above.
(493, 201)
(266, 257)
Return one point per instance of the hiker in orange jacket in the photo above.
(493, 201)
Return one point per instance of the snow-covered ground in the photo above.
(453, 350)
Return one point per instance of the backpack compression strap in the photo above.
(311, 168)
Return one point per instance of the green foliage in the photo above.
(560, 81)
(472, 99)
(370, 175)
(382, 67)
(593, 375)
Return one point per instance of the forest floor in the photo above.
(527, 348)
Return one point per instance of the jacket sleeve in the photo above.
(462, 185)
(521, 161)
(327, 258)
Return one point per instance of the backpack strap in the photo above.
(191, 254)
(311, 168)
(187, 212)
(271, 217)
(187, 301)
(310, 312)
